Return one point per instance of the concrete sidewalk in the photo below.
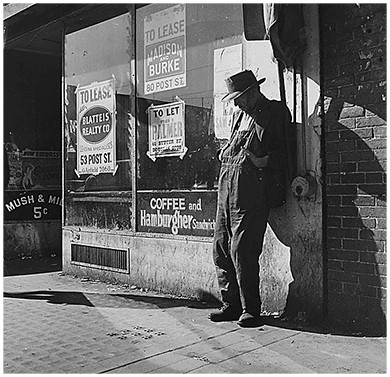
(63, 324)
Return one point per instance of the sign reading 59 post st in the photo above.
(165, 49)
(96, 128)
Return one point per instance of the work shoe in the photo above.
(249, 320)
(226, 313)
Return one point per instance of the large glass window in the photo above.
(98, 121)
(177, 65)
(143, 114)
(183, 54)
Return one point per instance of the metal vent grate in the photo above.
(100, 257)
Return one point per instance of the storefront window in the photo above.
(98, 93)
(143, 115)
(177, 69)
(184, 52)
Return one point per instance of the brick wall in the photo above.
(353, 47)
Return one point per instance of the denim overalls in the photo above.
(241, 221)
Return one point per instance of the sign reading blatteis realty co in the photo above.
(166, 128)
(96, 128)
(165, 49)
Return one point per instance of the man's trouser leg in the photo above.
(238, 239)
(248, 230)
(226, 273)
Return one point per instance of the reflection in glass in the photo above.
(175, 62)
(96, 54)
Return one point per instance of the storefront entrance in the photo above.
(32, 144)
(142, 122)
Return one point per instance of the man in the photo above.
(252, 180)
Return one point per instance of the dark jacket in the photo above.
(271, 124)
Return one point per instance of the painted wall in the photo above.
(174, 265)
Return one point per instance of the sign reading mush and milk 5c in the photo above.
(166, 129)
(96, 128)
(165, 49)
(30, 205)
(177, 213)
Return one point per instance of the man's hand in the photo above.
(220, 153)
(259, 162)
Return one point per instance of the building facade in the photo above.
(354, 90)
(135, 108)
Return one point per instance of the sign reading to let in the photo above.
(96, 128)
(165, 50)
(166, 130)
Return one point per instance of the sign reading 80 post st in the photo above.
(96, 128)
(165, 49)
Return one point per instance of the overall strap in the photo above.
(236, 125)
(251, 133)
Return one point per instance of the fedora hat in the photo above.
(239, 83)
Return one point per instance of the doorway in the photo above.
(32, 144)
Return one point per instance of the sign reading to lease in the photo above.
(165, 50)
(166, 130)
(96, 128)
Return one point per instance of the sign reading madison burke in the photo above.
(165, 50)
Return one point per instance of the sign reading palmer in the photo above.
(166, 126)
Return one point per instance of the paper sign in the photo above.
(227, 62)
(166, 128)
(96, 128)
(165, 50)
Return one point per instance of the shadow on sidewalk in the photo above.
(109, 300)
(52, 297)
(139, 301)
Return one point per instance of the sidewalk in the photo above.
(63, 324)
